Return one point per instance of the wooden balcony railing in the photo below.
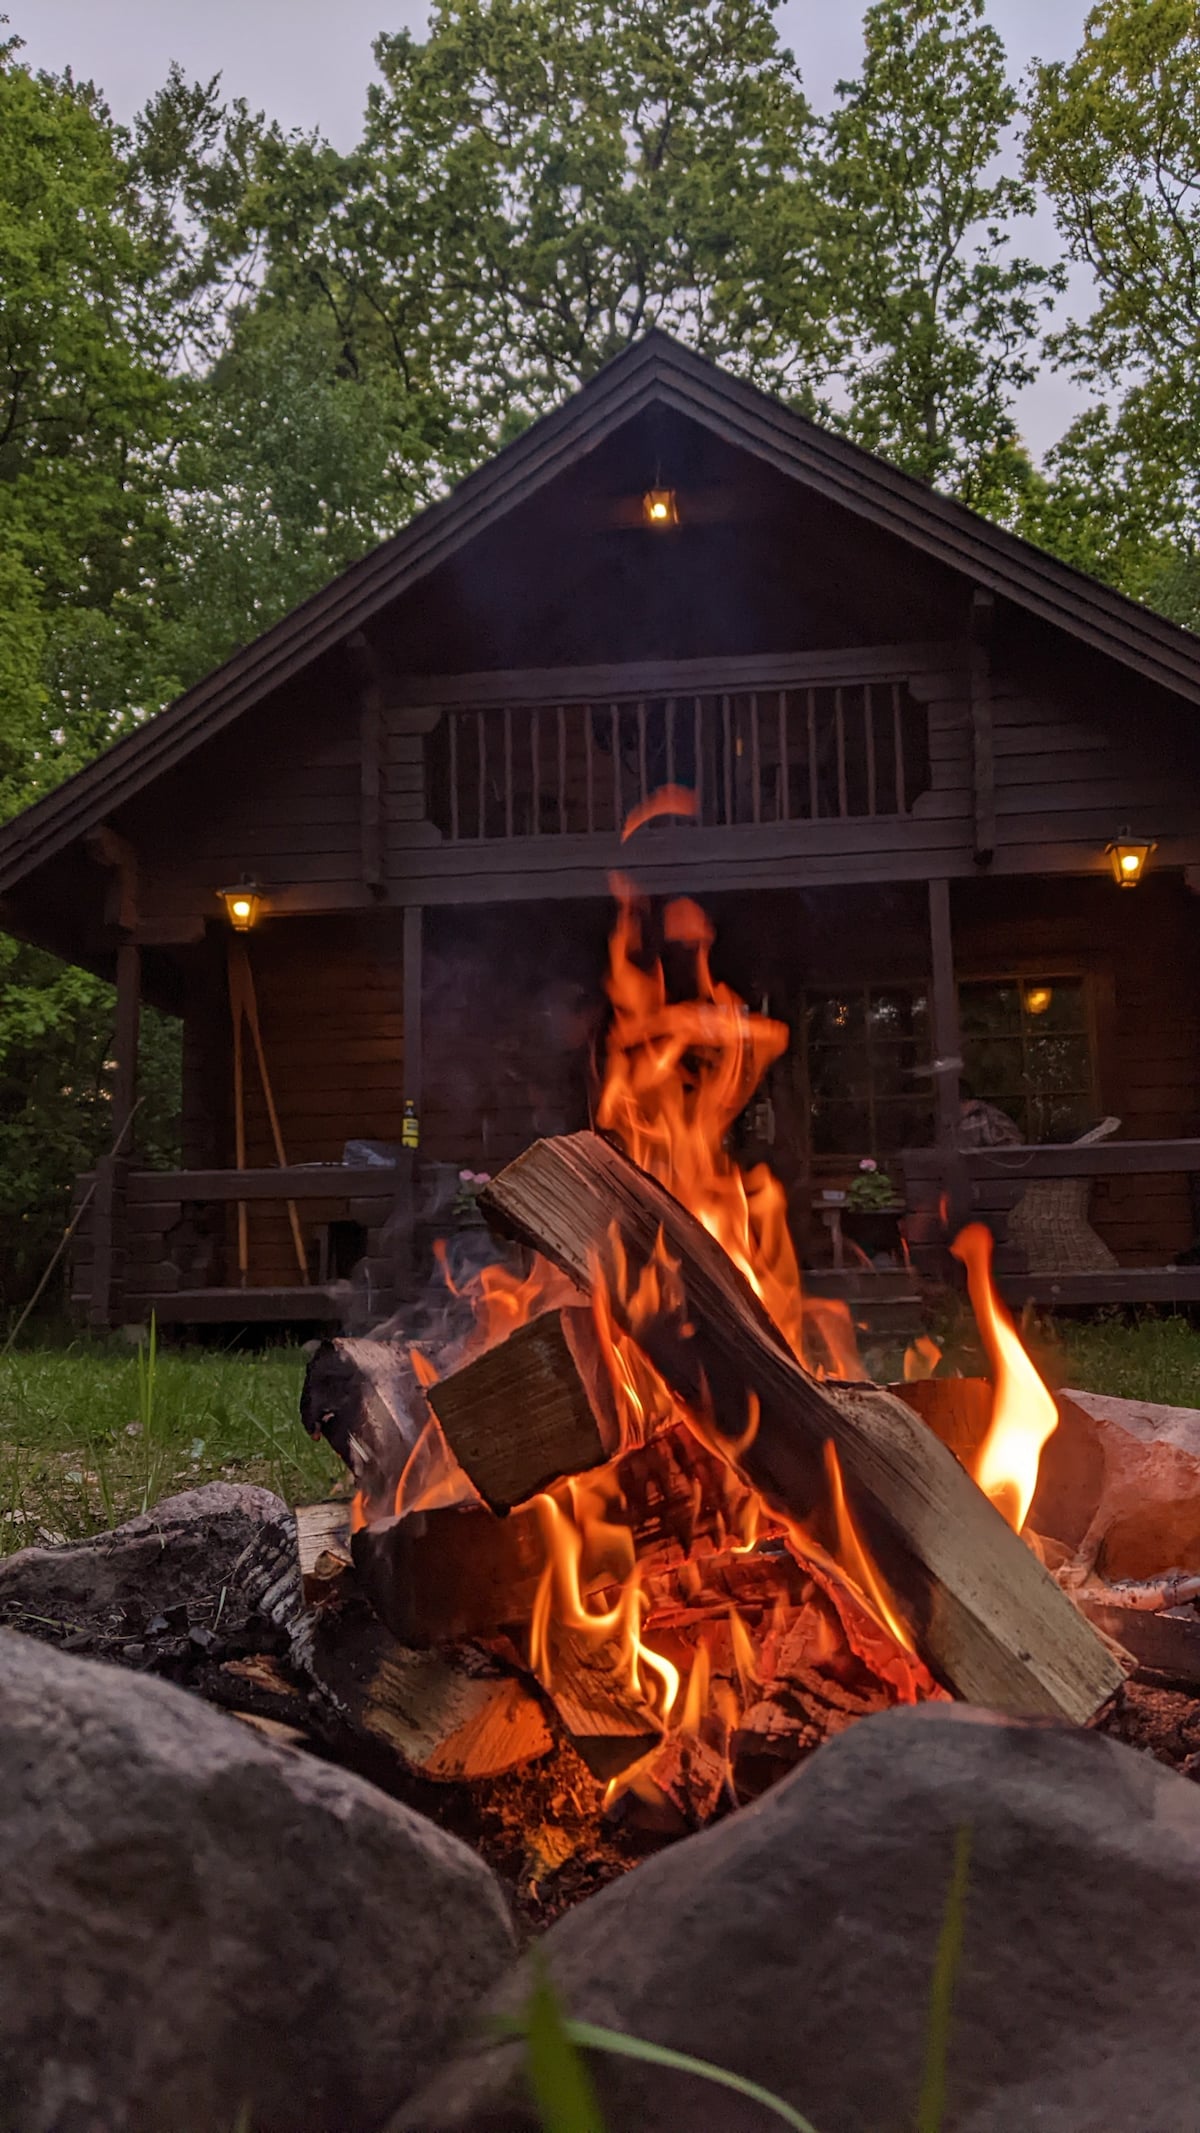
(993, 1180)
(750, 756)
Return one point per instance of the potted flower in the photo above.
(872, 1211)
(467, 1214)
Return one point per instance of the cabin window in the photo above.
(1028, 1047)
(867, 1052)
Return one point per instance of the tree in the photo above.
(937, 323)
(1114, 136)
(541, 180)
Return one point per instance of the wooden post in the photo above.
(414, 943)
(947, 1049)
(403, 1216)
(108, 1207)
(125, 1043)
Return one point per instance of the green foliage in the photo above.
(1114, 137)
(541, 180)
(937, 323)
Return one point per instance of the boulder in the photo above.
(795, 1944)
(181, 1551)
(201, 1930)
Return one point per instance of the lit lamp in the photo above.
(1128, 855)
(1038, 998)
(660, 507)
(243, 904)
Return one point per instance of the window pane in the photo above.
(841, 1071)
(898, 1014)
(1058, 1064)
(995, 1071)
(836, 1018)
(1054, 1004)
(990, 1010)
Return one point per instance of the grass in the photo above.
(94, 1432)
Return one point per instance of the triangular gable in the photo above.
(654, 371)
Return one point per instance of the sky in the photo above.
(307, 64)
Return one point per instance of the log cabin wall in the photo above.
(330, 997)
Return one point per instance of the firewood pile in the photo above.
(659, 1623)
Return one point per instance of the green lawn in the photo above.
(92, 1433)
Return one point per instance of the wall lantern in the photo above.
(243, 904)
(1128, 857)
(660, 507)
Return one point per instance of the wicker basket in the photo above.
(1050, 1225)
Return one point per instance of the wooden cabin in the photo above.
(913, 741)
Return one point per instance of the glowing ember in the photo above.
(1023, 1412)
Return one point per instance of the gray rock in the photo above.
(795, 1943)
(194, 1922)
(183, 1549)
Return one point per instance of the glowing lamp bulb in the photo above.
(660, 507)
(1038, 998)
(242, 904)
(1128, 857)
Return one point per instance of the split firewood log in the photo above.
(455, 1715)
(536, 1407)
(971, 1597)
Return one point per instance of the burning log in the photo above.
(357, 1394)
(972, 1598)
(451, 1716)
(606, 1722)
(462, 1572)
(525, 1413)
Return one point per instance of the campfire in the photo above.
(633, 1491)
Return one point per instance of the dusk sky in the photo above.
(307, 64)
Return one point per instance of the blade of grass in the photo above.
(559, 2035)
(595, 2038)
(931, 2105)
(561, 2085)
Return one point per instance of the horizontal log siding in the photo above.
(1063, 779)
(283, 804)
(330, 997)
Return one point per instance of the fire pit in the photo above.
(632, 1533)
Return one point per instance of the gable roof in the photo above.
(655, 370)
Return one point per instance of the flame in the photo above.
(1024, 1415)
(921, 1358)
(683, 1057)
(668, 800)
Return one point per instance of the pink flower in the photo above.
(466, 1177)
(868, 1163)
